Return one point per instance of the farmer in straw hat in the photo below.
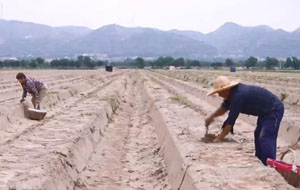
(250, 100)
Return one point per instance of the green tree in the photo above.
(160, 62)
(152, 64)
(296, 63)
(77, 64)
(288, 63)
(23, 63)
(40, 61)
(164, 61)
(169, 61)
(216, 65)
(12, 63)
(79, 61)
(33, 64)
(64, 63)
(179, 62)
(139, 63)
(80, 58)
(271, 63)
(192, 63)
(196, 63)
(100, 63)
(251, 62)
(54, 63)
(87, 61)
(229, 62)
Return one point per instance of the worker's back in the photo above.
(253, 100)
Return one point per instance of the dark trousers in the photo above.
(266, 134)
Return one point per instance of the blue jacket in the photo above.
(250, 100)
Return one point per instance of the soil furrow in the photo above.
(132, 159)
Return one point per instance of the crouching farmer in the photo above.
(37, 89)
(250, 100)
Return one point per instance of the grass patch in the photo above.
(296, 102)
(181, 100)
(283, 96)
(53, 92)
(125, 84)
(113, 102)
(185, 78)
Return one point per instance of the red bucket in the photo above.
(290, 172)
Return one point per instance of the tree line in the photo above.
(162, 62)
(269, 63)
(85, 62)
(82, 62)
(251, 62)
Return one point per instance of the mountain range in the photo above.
(25, 39)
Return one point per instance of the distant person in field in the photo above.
(37, 89)
(250, 100)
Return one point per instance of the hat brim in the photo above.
(232, 84)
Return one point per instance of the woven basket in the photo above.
(290, 172)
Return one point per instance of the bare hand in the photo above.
(208, 121)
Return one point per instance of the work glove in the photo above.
(22, 100)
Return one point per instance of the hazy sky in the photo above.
(200, 15)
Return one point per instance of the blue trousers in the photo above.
(265, 135)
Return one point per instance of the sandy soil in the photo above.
(220, 163)
(128, 156)
(131, 130)
(198, 82)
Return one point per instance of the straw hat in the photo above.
(222, 83)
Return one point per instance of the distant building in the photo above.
(8, 58)
(93, 56)
(172, 68)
